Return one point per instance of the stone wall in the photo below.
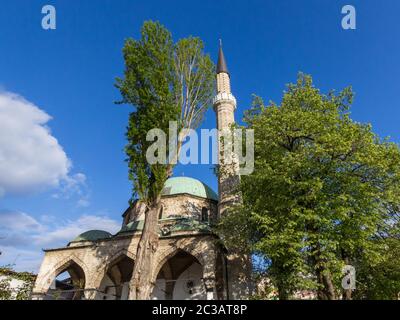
(177, 205)
(95, 259)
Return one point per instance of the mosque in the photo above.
(190, 262)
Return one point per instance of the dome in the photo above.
(92, 235)
(182, 185)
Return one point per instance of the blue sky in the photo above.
(68, 75)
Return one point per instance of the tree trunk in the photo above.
(282, 294)
(141, 285)
(347, 294)
(325, 279)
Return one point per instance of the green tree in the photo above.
(22, 292)
(323, 188)
(380, 280)
(5, 290)
(164, 81)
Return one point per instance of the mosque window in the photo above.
(204, 214)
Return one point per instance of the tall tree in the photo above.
(164, 81)
(321, 190)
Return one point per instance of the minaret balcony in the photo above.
(224, 97)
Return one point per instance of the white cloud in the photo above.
(22, 237)
(21, 259)
(69, 230)
(31, 159)
(83, 203)
(75, 185)
(18, 221)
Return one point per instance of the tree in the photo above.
(380, 280)
(321, 191)
(5, 290)
(22, 292)
(164, 81)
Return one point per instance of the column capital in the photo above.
(209, 283)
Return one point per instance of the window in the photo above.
(204, 215)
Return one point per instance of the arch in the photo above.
(172, 251)
(115, 275)
(68, 290)
(122, 252)
(57, 268)
(108, 262)
(179, 276)
(72, 259)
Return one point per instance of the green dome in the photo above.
(92, 235)
(181, 185)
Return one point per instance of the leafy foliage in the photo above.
(149, 77)
(380, 280)
(164, 81)
(20, 293)
(324, 187)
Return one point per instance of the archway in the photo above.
(115, 283)
(180, 278)
(69, 283)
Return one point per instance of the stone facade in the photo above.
(184, 231)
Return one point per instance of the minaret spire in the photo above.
(223, 78)
(221, 65)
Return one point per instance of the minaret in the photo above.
(237, 265)
(224, 106)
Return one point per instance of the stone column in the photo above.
(209, 283)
